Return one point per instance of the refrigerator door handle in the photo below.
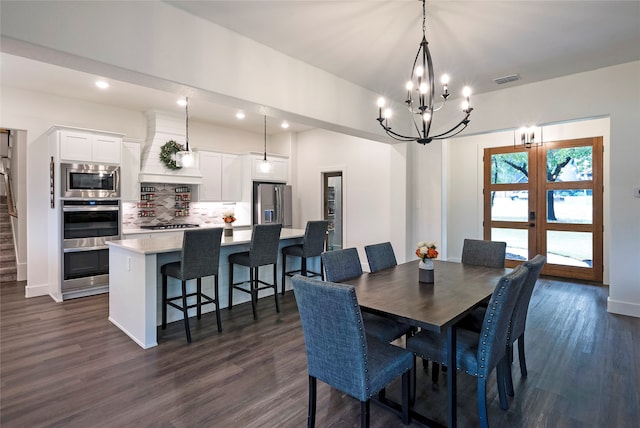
(278, 204)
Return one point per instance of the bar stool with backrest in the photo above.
(340, 354)
(341, 265)
(263, 251)
(313, 245)
(200, 257)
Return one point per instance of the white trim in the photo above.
(36, 290)
(623, 308)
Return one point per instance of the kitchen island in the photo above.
(135, 282)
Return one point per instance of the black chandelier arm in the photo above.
(395, 135)
(447, 134)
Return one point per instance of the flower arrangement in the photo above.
(426, 250)
(228, 217)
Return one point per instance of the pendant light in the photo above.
(185, 158)
(265, 165)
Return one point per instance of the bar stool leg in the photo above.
(230, 286)
(253, 285)
(217, 298)
(164, 302)
(185, 311)
(275, 285)
(284, 270)
(199, 296)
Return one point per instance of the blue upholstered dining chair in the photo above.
(342, 265)
(263, 251)
(484, 253)
(479, 353)
(380, 256)
(200, 257)
(312, 246)
(339, 353)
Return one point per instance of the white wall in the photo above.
(373, 210)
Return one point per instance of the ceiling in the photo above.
(373, 43)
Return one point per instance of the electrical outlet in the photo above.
(636, 192)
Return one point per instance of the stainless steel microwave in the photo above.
(89, 181)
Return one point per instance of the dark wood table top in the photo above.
(396, 292)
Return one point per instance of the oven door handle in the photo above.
(81, 249)
(90, 208)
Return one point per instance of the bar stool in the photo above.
(200, 257)
(263, 251)
(312, 246)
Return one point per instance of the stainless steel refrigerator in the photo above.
(272, 203)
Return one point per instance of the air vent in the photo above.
(507, 79)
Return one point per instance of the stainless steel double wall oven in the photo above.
(90, 217)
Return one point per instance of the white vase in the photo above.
(425, 271)
(228, 229)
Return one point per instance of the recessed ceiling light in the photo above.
(240, 115)
(102, 84)
(182, 102)
(284, 124)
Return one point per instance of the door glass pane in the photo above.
(569, 164)
(570, 206)
(517, 242)
(570, 248)
(509, 206)
(509, 168)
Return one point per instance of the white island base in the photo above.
(135, 282)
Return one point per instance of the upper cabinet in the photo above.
(221, 177)
(89, 146)
(279, 171)
(129, 170)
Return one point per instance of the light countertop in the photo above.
(167, 244)
(134, 230)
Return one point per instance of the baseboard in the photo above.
(36, 290)
(623, 308)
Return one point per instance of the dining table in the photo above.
(457, 290)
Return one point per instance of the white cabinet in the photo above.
(129, 171)
(221, 177)
(279, 169)
(81, 146)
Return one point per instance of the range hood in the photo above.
(161, 128)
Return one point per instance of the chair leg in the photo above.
(406, 381)
(230, 305)
(199, 297)
(501, 375)
(435, 371)
(412, 384)
(521, 356)
(311, 418)
(253, 286)
(284, 271)
(482, 403)
(321, 269)
(275, 286)
(217, 298)
(364, 414)
(164, 302)
(508, 379)
(185, 311)
(303, 266)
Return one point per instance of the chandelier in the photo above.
(421, 98)
(184, 158)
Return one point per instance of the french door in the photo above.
(548, 200)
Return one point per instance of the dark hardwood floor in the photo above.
(65, 365)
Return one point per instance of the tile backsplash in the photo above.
(164, 204)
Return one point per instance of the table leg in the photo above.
(451, 378)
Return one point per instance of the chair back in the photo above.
(497, 319)
(200, 253)
(380, 256)
(314, 238)
(484, 253)
(341, 265)
(265, 239)
(334, 335)
(522, 305)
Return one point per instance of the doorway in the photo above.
(548, 200)
(333, 212)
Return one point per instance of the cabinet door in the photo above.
(75, 146)
(106, 149)
(279, 170)
(129, 171)
(231, 178)
(211, 169)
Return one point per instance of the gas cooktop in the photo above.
(169, 226)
